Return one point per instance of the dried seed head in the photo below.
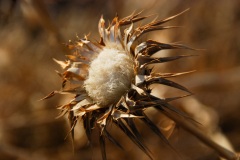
(111, 79)
(110, 76)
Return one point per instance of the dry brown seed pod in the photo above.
(111, 82)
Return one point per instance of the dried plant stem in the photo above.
(201, 136)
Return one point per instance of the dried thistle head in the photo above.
(111, 79)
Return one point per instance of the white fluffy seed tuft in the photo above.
(110, 76)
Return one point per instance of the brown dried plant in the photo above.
(111, 81)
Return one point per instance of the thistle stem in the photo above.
(223, 152)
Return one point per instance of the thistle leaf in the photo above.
(169, 75)
(166, 59)
(103, 147)
(134, 139)
(134, 129)
(49, 95)
(164, 81)
(87, 125)
(112, 139)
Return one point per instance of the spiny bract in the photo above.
(110, 79)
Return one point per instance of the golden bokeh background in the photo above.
(33, 32)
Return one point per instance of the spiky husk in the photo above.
(130, 105)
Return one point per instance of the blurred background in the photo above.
(33, 32)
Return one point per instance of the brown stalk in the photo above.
(223, 152)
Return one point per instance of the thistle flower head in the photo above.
(111, 79)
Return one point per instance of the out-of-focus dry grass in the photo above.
(32, 34)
